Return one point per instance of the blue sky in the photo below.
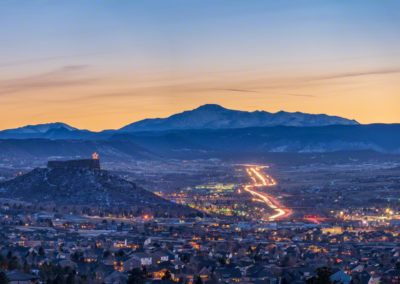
(103, 64)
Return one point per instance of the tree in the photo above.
(323, 275)
(59, 279)
(3, 278)
(41, 251)
(167, 275)
(136, 276)
(198, 280)
(77, 257)
(120, 254)
(70, 278)
(3, 262)
(185, 258)
(27, 267)
(13, 263)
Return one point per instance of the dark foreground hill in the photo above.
(80, 187)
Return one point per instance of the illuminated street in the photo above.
(262, 181)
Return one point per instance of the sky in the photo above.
(104, 64)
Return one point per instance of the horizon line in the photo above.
(188, 110)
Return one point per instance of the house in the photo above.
(205, 273)
(340, 277)
(178, 264)
(17, 277)
(160, 256)
(144, 258)
(116, 277)
(159, 272)
(132, 263)
(67, 263)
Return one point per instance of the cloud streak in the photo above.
(62, 77)
(238, 90)
(358, 74)
(45, 59)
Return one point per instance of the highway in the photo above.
(261, 180)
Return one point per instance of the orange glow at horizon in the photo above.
(113, 103)
(104, 64)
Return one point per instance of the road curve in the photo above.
(259, 180)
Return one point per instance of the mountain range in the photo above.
(207, 131)
(209, 116)
(212, 116)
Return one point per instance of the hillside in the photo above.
(376, 137)
(205, 143)
(85, 187)
(71, 148)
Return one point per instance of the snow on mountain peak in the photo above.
(213, 116)
(40, 128)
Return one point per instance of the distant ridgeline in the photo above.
(93, 163)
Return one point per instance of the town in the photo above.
(237, 235)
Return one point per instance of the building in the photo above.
(93, 163)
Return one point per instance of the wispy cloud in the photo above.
(71, 75)
(238, 90)
(48, 58)
(62, 77)
(358, 74)
(91, 97)
(301, 95)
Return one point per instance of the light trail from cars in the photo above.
(255, 174)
